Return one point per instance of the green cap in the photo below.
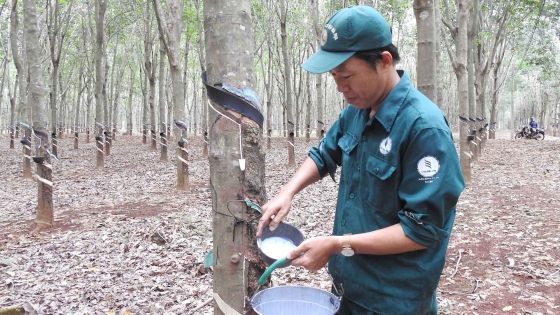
(348, 31)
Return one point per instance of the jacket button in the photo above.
(343, 222)
(377, 170)
(364, 138)
(351, 195)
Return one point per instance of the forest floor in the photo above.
(503, 258)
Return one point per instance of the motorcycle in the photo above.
(528, 133)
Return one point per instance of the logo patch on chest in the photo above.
(428, 166)
(385, 146)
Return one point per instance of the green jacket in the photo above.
(402, 167)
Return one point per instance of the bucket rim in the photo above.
(339, 298)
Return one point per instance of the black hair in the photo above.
(373, 56)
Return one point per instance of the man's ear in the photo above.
(387, 60)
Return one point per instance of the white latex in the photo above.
(277, 247)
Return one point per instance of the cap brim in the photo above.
(323, 61)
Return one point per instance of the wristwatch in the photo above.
(346, 248)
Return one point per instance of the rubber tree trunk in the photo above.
(287, 84)
(54, 144)
(318, 28)
(460, 68)
(171, 31)
(426, 42)
(108, 140)
(229, 60)
(161, 104)
(183, 179)
(100, 8)
(37, 100)
(26, 141)
(19, 63)
(129, 105)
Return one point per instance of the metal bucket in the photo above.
(289, 300)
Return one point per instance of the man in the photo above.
(400, 177)
(533, 125)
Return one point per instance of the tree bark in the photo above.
(171, 35)
(287, 85)
(459, 62)
(56, 40)
(37, 100)
(100, 8)
(320, 132)
(475, 143)
(229, 55)
(150, 70)
(76, 124)
(145, 108)
(426, 44)
(161, 104)
(129, 104)
(19, 63)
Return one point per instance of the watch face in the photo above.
(347, 252)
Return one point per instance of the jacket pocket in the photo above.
(347, 143)
(380, 185)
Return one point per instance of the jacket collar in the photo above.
(391, 105)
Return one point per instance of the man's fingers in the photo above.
(298, 252)
(263, 221)
(275, 221)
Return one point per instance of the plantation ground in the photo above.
(504, 254)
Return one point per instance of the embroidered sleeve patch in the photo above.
(428, 166)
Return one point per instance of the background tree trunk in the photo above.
(427, 43)
(56, 40)
(473, 144)
(129, 104)
(161, 102)
(229, 55)
(100, 8)
(459, 62)
(171, 34)
(287, 84)
(318, 28)
(37, 100)
(19, 63)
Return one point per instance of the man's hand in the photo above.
(274, 211)
(278, 207)
(316, 252)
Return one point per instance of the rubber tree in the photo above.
(81, 88)
(426, 43)
(234, 140)
(264, 15)
(22, 74)
(56, 35)
(129, 103)
(100, 9)
(37, 101)
(289, 97)
(150, 72)
(496, 25)
(318, 31)
(459, 62)
(161, 104)
(202, 61)
(475, 143)
(170, 29)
